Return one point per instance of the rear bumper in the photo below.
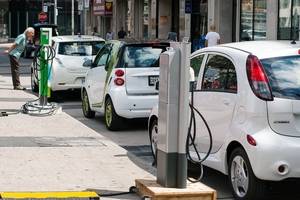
(273, 151)
(63, 80)
(132, 106)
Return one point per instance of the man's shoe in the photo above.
(19, 87)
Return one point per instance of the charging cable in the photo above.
(34, 107)
(191, 137)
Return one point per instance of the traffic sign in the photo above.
(43, 17)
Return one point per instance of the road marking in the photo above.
(44, 195)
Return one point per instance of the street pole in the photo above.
(55, 12)
(72, 25)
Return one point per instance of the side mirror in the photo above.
(157, 85)
(88, 63)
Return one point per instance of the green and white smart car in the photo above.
(121, 81)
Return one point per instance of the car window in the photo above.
(219, 75)
(85, 48)
(196, 63)
(284, 76)
(103, 56)
(142, 56)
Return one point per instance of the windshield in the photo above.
(80, 48)
(142, 56)
(284, 76)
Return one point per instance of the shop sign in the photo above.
(98, 7)
(188, 7)
(103, 7)
(108, 7)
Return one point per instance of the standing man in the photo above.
(122, 34)
(212, 38)
(14, 52)
(109, 35)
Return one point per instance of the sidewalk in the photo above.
(58, 153)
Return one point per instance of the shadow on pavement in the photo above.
(114, 194)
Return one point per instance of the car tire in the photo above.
(34, 85)
(86, 109)
(153, 136)
(113, 121)
(244, 184)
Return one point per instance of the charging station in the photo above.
(173, 125)
(45, 41)
(42, 69)
(173, 116)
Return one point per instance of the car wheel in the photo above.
(86, 109)
(113, 122)
(34, 85)
(153, 135)
(244, 184)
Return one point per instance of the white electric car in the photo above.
(121, 81)
(71, 52)
(249, 93)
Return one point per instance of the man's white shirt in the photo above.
(212, 38)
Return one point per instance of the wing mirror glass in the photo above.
(88, 63)
(157, 85)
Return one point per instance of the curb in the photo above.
(50, 195)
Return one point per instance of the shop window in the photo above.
(288, 22)
(253, 20)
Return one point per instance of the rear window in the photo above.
(142, 56)
(80, 48)
(284, 76)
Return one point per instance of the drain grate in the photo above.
(50, 142)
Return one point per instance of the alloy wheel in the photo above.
(239, 176)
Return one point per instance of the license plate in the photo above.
(152, 80)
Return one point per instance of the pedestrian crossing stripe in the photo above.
(45, 195)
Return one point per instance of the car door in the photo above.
(97, 76)
(216, 100)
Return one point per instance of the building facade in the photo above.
(16, 15)
(236, 20)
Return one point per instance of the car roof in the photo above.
(129, 42)
(72, 38)
(261, 49)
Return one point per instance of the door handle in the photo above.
(226, 102)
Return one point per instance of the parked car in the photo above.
(250, 97)
(67, 68)
(121, 81)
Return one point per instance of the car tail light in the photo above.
(251, 140)
(258, 79)
(119, 81)
(119, 73)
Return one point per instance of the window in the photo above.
(196, 64)
(219, 75)
(253, 20)
(284, 76)
(288, 22)
(79, 48)
(104, 55)
(142, 56)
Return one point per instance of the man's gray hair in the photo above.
(29, 29)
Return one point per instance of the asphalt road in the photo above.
(135, 139)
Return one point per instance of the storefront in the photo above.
(288, 22)
(16, 15)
